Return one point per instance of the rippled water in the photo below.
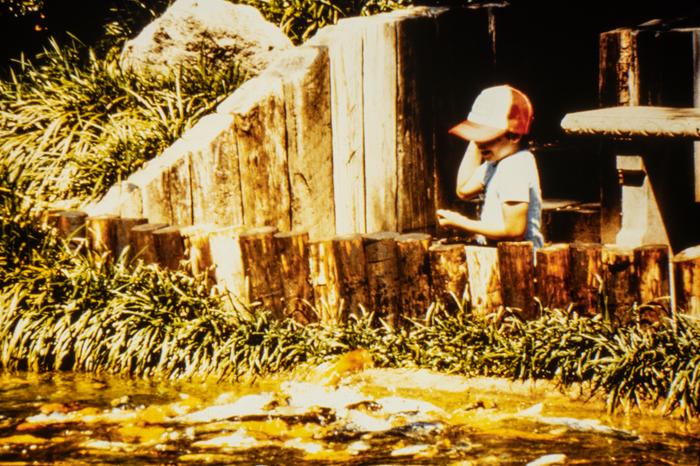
(372, 417)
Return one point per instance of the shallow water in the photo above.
(370, 417)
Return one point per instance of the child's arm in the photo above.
(469, 185)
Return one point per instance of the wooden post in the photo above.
(484, 280)
(197, 252)
(102, 234)
(225, 251)
(70, 223)
(687, 270)
(619, 281)
(586, 277)
(515, 264)
(552, 276)
(123, 233)
(350, 261)
(414, 275)
(141, 241)
(383, 275)
(448, 274)
(324, 279)
(169, 246)
(651, 264)
(261, 268)
(293, 252)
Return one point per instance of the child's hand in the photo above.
(449, 218)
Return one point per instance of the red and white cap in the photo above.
(495, 111)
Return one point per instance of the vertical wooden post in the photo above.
(552, 276)
(261, 268)
(141, 241)
(515, 264)
(484, 280)
(586, 276)
(448, 274)
(383, 275)
(350, 261)
(197, 252)
(651, 264)
(102, 234)
(123, 233)
(225, 251)
(414, 275)
(324, 279)
(293, 252)
(70, 223)
(169, 246)
(687, 270)
(620, 282)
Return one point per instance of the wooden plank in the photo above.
(517, 270)
(293, 253)
(484, 280)
(169, 246)
(305, 72)
(619, 281)
(687, 270)
(259, 124)
(350, 260)
(383, 275)
(415, 38)
(324, 280)
(380, 114)
(552, 276)
(261, 269)
(216, 182)
(586, 277)
(141, 241)
(448, 274)
(415, 295)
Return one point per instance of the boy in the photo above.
(497, 164)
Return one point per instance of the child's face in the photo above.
(498, 148)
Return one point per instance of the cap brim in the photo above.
(475, 132)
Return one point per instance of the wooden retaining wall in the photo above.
(397, 276)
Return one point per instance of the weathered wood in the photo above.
(123, 234)
(415, 44)
(484, 280)
(552, 276)
(169, 246)
(198, 259)
(448, 274)
(261, 268)
(586, 277)
(620, 282)
(517, 270)
(324, 280)
(225, 251)
(570, 223)
(618, 77)
(380, 114)
(652, 268)
(102, 234)
(69, 223)
(141, 241)
(216, 181)
(687, 271)
(305, 73)
(293, 252)
(259, 123)
(350, 261)
(383, 275)
(414, 275)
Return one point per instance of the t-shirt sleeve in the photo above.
(515, 179)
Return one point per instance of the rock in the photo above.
(222, 30)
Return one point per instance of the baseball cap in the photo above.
(495, 111)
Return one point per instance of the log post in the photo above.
(102, 234)
(651, 264)
(123, 233)
(383, 275)
(350, 261)
(619, 282)
(141, 241)
(293, 252)
(484, 280)
(324, 280)
(552, 276)
(227, 264)
(69, 223)
(197, 251)
(261, 268)
(414, 275)
(517, 270)
(585, 277)
(448, 274)
(687, 270)
(169, 246)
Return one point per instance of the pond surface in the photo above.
(371, 416)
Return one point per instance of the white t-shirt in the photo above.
(513, 179)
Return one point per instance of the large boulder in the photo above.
(223, 31)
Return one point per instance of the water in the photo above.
(370, 417)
